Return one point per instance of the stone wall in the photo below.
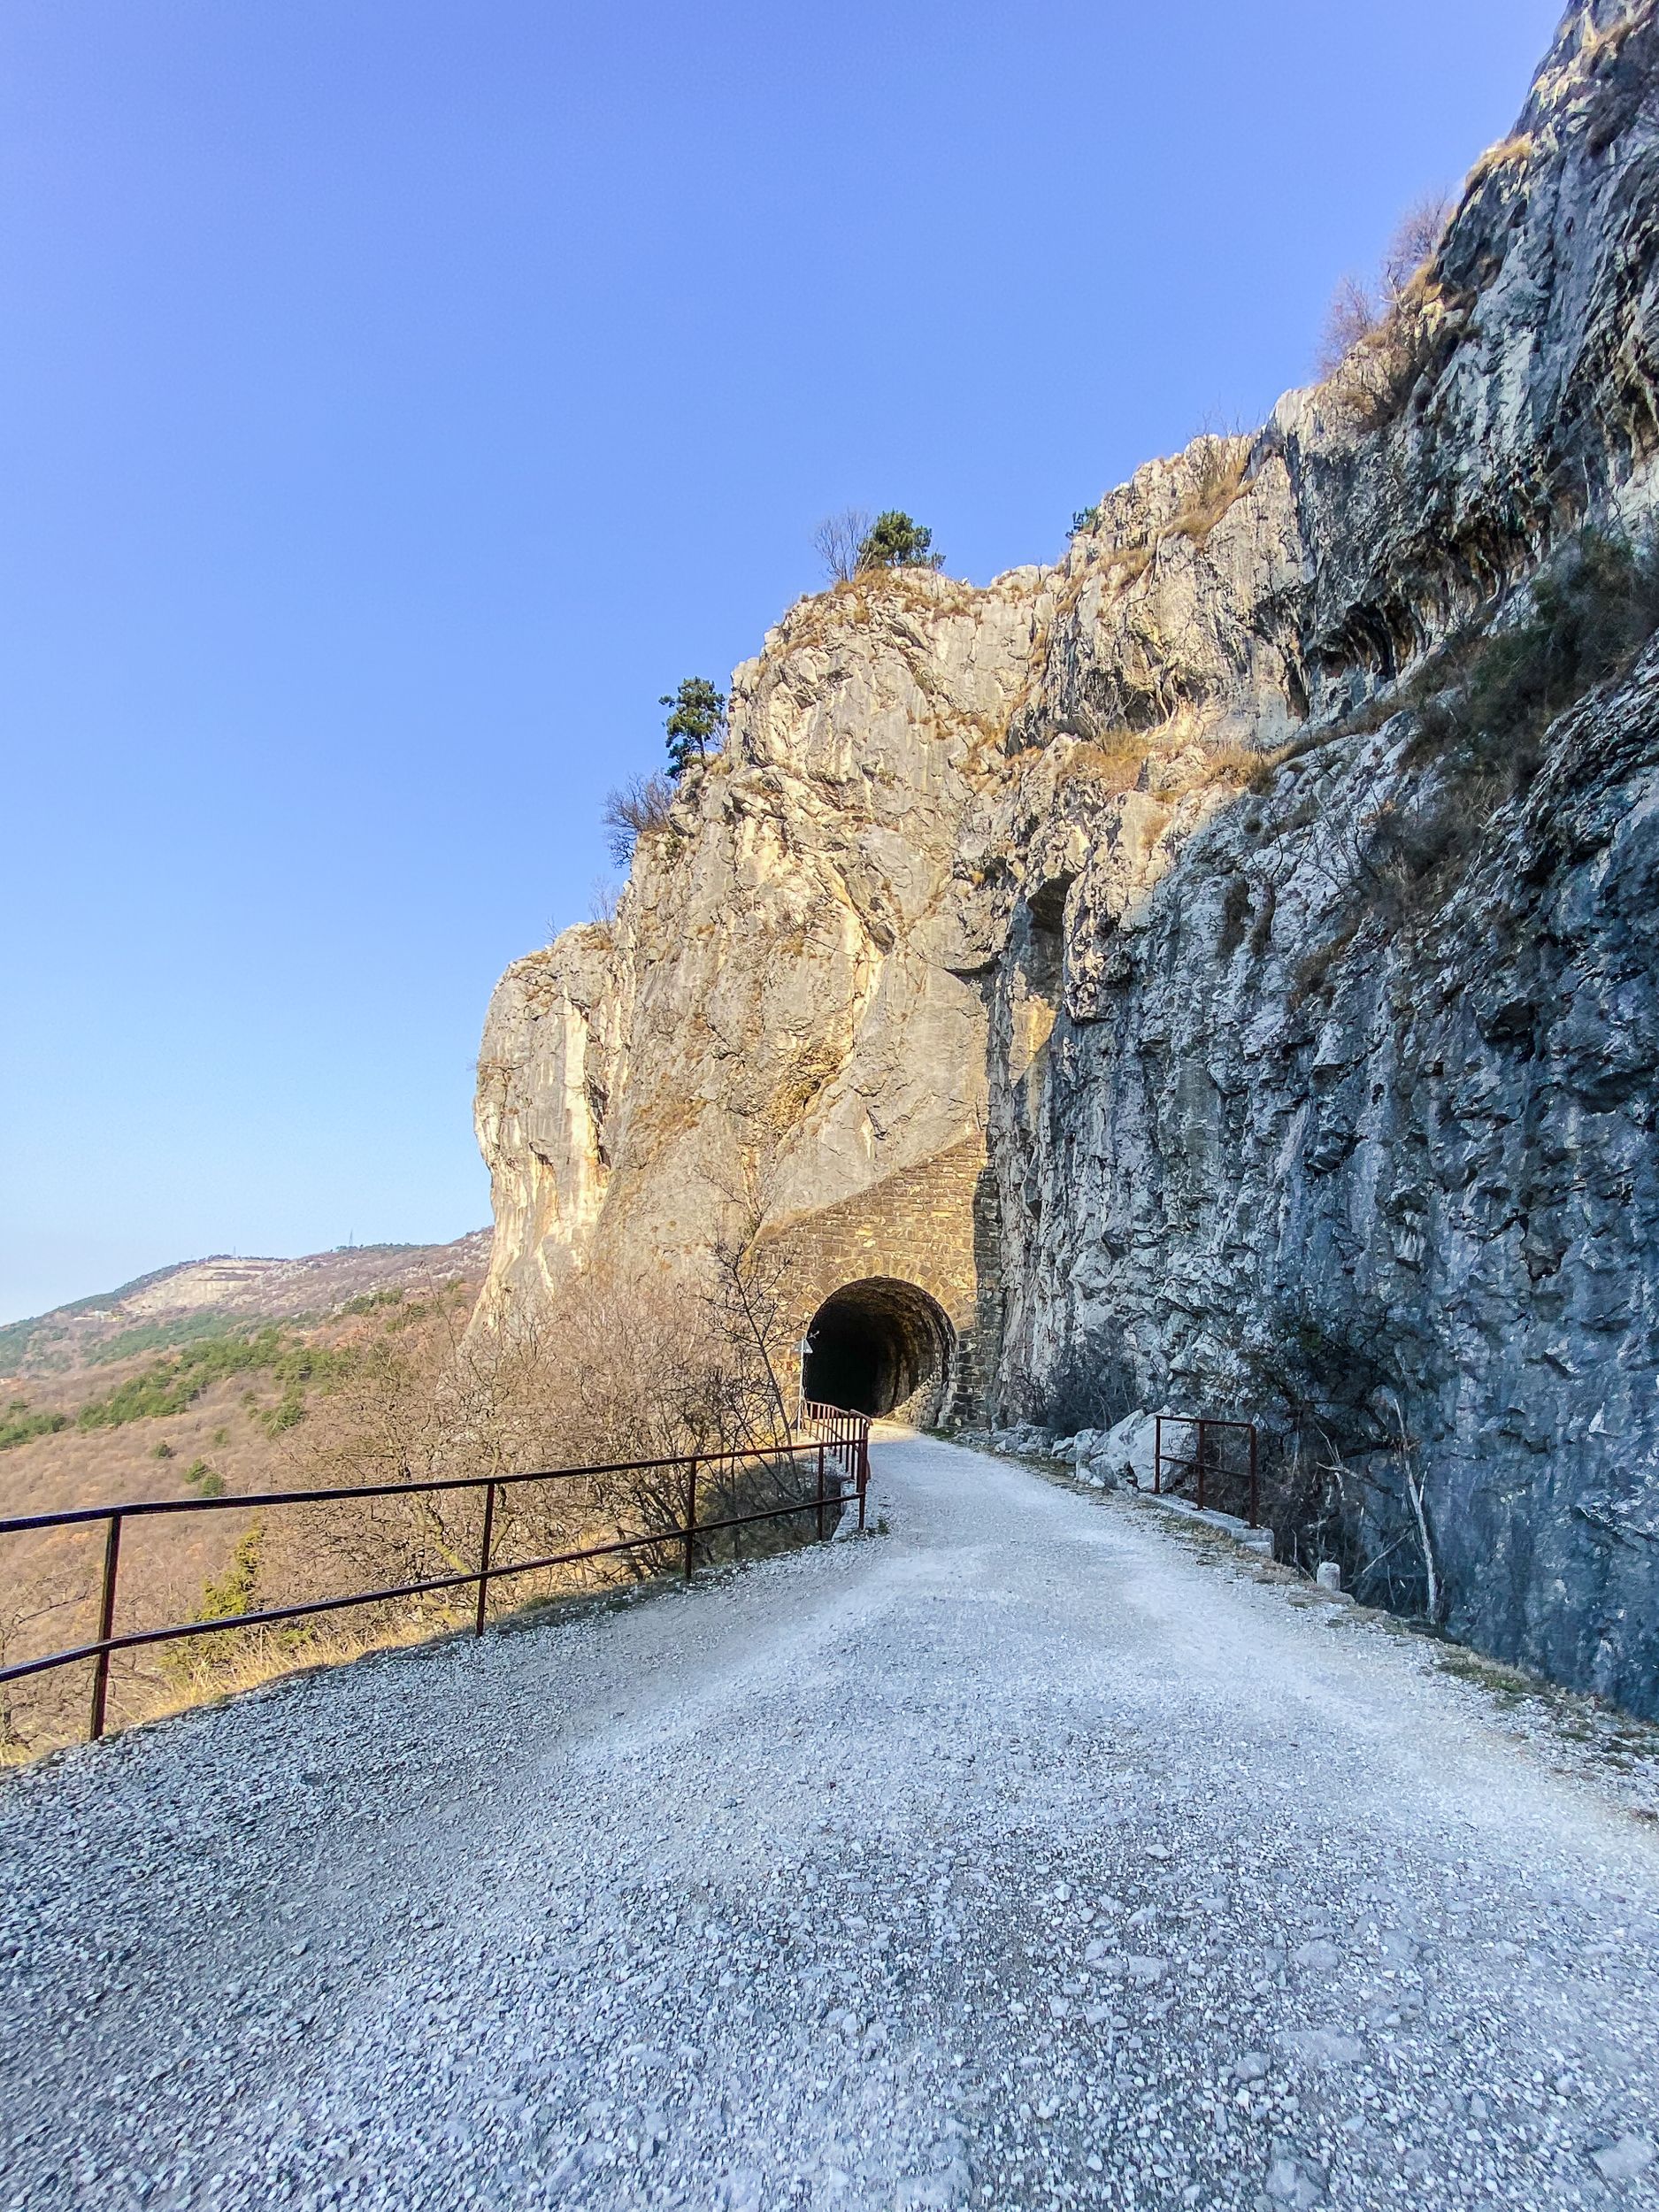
(917, 1226)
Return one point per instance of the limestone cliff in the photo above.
(1218, 970)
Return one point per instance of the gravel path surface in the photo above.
(1017, 1856)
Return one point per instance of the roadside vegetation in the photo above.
(400, 1391)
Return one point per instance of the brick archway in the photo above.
(882, 1347)
(927, 1228)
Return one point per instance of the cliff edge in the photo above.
(1217, 972)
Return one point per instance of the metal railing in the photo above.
(835, 1458)
(1209, 1459)
(847, 1434)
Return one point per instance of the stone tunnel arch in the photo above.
(880, 1347)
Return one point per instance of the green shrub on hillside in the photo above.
(168, 1386)
(1482, 736)
(1592, 614)
(199, 1659)
(238, 1590)
(287, 1413)
(18, 1425)
(204, 1479)
(161, 1336)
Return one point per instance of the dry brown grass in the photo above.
(1229, 763)
(1128, 563)
(1217, 480)
(1240, 767)
(1509, 153)
(1605, 45)
(810, 1068)
(1111, 763)
(855, 602)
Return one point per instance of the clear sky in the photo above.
(397, 396)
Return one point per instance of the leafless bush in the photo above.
(838, 539)
(634, 811)
(35, 1713)
(1352, 317)
(1412, 247)
(610, 1375)
(1373, 343)
(605, 897)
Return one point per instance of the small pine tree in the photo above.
(897, 541)
(695, 723)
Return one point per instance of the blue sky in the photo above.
(397, 396)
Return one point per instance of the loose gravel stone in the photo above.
(1017, 1858)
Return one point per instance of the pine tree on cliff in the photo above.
(696, 725)
(897, 541)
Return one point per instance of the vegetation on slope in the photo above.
(171, 1383)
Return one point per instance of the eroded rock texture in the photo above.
(1159, 958)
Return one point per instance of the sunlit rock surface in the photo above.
(1198, 1076)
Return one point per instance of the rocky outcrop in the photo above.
(1264, 897)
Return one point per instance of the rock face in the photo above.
(1218, 972)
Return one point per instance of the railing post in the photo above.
(1255, 1499)
(1158, 1456)
(820, 1493)
(483, 1556)
(691, 1518)
(1202, 1425)
(864, 1473)
(106, 1627)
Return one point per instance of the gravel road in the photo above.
(1019, 1856)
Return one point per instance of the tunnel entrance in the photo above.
(879, 1347)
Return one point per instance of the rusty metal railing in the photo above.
(836, 1461)
(1208, 1460)
(847, 1434)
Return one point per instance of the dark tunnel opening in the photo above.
(879, 1347)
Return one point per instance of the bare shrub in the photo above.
(1091, 1386)
(605, 897)
(635, 810)
(38, 1711)
(1351, 318)
(610, 1375)
(1376, 339)
(1415, 238)
(838, 539)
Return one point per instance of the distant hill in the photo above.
(188, 1382)
(214, 1296)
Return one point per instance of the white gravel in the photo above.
(1017, 1857)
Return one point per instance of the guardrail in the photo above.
(835, 1458)
(847, 1434)
(1209, 1461)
